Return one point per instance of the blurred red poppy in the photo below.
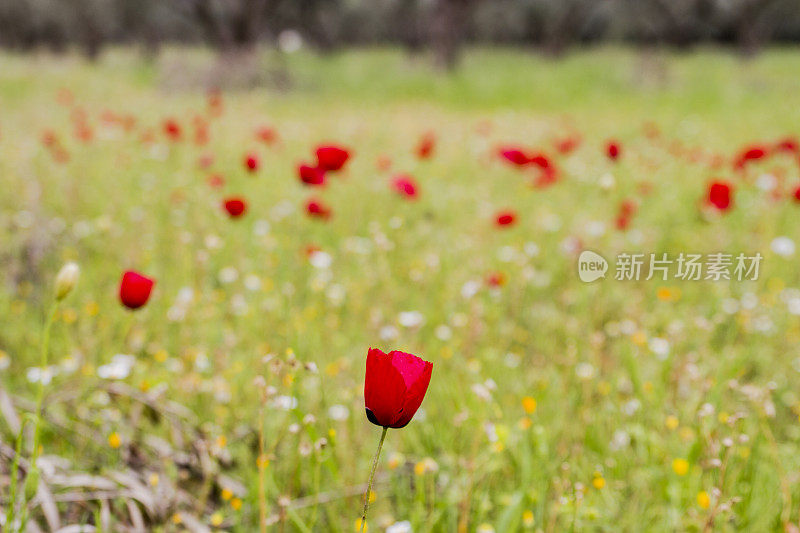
(332, 157)
(135, 289)
(426, 145)
(613, 150)
(216, 181)
(720, 195)
(514, 155)
(506, 218)
(235, 207)
(311, 175)
(214, 101)
(627, 208)
(567, 144)
(789, 144)
(394, 387)
(797, 194)
(496, 279)
(318, 209)
(172, 129)
(749, 154)
(251, 162)
(267, 135)
(540, 160)
(405, 185)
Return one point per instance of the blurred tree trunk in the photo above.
(91, 35)
(232, 26)
(410, 32)
(751, 27)
(450, 22)
(565, 25)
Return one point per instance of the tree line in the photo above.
(442, 26)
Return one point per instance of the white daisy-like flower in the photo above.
(119, 368)
(321, 260)
(338, 412)
(783, 246)
(410, 319)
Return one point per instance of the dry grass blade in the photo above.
(193, 524)
(136, 516)
(48, 505)
(8, 411)
(77, 528)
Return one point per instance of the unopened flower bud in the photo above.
(66, 279)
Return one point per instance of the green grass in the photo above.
(604, 398)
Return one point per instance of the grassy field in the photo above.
(555, 405)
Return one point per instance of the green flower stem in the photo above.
(371, 478)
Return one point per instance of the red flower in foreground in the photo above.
(316, 208)
(405, 185)
(797, 195)
(426, 145)
(394, 386)
(134, 289)
(311, 175)
(235, 207)
(506, 218)
(331, 157)
(613, 150)
(720, 195)
(251, 162)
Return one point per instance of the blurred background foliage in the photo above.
(437, 26)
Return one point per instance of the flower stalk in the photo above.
(371, 478)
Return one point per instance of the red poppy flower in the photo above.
(547, 176)
(515, 156)
(205, 161)
(394, 387)
(134, 289)
(405, 185)
(201, 134)
(216, 181)
(235, 207)
(251, 162)
(267, 134)
(720, 195)
(748, 154)
(567, 144)
(317, 209)
(311, 175)
(506, 218)
(172, 129)
(426, 145)
(624, 215)
(540, 160)
(496, 279)
(49, 138)
(613, 150)
(788, 144)
(331, 157)
(797, 195)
